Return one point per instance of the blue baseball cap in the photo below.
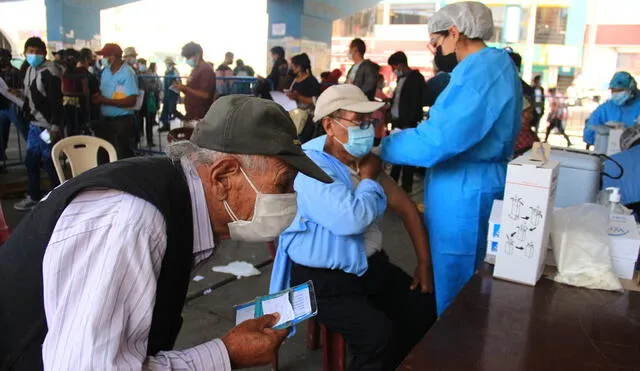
(622, 80)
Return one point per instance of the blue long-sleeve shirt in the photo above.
(328, 230)
(171, 75)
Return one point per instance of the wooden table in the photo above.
(498, 325)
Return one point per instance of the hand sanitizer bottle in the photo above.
(615, 208)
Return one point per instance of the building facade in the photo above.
(567, 42)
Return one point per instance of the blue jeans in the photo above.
(8, 116)
(38, 152)
(168, 108)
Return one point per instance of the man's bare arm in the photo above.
(400, 202)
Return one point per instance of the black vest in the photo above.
(22, 319)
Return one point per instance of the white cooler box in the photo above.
(579, 177)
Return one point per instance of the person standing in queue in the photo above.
(117, 97)
(364, 73)
(201, 84)
(170, 97)
(623, 107)
(406, 107)
(466, 142)
(538, 102)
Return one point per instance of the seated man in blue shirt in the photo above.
(629, 159)
(335, 240)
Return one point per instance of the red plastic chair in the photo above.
(5, 230)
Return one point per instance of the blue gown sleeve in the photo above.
(339, 208)
(458, 124)
(597, 118)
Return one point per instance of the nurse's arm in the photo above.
(400, 202)
(456, 124)
(597, 118)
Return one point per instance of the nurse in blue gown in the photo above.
(623, 107)
(466, 143)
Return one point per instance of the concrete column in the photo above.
(386, 13)
(308, 26)
(72, 26)
(300, 27)
(552, 77)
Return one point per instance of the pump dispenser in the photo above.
(614, 202)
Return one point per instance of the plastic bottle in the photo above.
(615, 208)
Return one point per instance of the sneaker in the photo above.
(25, 205)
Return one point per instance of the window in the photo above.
(629, 62)
(498, 13)
(524, 23)
(411, 13)
(360, 24)
(551, 25)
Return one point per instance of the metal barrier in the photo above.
(240, 84)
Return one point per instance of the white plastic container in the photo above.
(579, 177)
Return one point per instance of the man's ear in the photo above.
(220, 175)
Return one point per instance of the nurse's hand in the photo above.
(423, 278)
(370, 167)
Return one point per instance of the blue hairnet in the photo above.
(471, 18)
(622, 80)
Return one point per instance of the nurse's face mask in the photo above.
(445, 52)
(620, 97)
(272, 214)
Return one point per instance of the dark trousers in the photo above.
(535, 125)
(150, 122)
(8, 116)
(168, 108)
(407, 176)
(556, 123)
(75, 120)
(378, 316)
(118, 131)
(38, 152)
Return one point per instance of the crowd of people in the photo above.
(111, 93)
(103, 280)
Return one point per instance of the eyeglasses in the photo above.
(365, 124)
(434, 40)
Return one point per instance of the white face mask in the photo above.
(272, 214)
